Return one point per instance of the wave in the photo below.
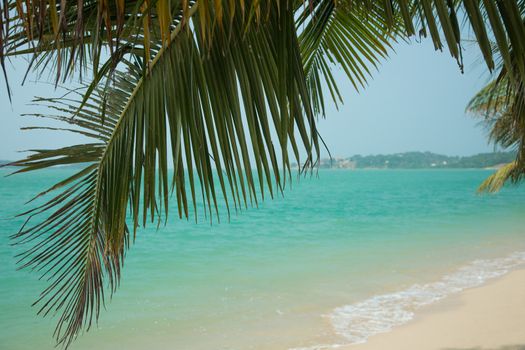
(380, 313)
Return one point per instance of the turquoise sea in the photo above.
(342, 256)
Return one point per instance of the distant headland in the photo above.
(419, 160)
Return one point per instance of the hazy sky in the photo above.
(415, 102)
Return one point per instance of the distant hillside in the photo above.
(419, 160)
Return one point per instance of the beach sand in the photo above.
(491, 317)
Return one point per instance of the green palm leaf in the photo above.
(333, 34)
(501, 106)
(80, 30)
(496, 181)
(214, 107)
(210, 83)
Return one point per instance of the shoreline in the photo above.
(488, 317)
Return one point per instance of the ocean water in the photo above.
(343, 256)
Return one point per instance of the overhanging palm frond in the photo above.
(213, 107)
(355, 35)
(70, 246)
(332, 34)
(494, 105)
(76, 28)
(218, 87)
(72, 35)
(501, 105)
(496, 181)
(501, 20)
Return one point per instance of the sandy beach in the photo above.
(491, 317)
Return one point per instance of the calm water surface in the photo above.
(289, 274)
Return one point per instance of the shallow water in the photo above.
(299, 271)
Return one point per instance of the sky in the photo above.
(415, 102)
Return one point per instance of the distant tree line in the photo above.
(420, 160)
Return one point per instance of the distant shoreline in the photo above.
(419, 160)
(406, 160)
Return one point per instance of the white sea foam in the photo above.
(380, 313)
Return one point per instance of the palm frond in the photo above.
(209, 83)
(501, 20)
(493, 104)
(501, 105)
(69, 35)
(332, 34)
(496, 181)
(67, 31)
(69, 246)
(213, 106)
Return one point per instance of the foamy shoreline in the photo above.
(489, 317)
(376, 323)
